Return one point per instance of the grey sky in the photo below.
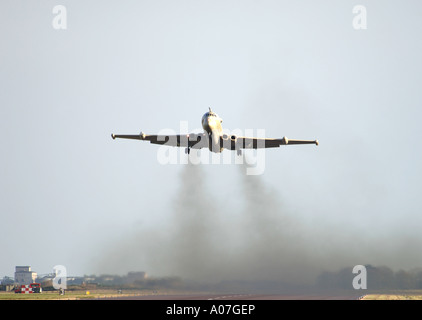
(294, 68)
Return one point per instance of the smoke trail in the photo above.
(253, 238)
(194, 223)
(210, 240)
(274, 246)
(184, 245)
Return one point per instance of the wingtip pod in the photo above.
(317, 142)
(113, 136)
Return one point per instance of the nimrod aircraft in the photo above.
(213, 138)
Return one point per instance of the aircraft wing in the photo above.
(258, 143)
(192, 140)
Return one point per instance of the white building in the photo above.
(24, 275)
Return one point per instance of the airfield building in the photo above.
(136, 276)
(24, 275)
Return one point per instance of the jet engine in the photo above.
(228, 141)
(226, 137)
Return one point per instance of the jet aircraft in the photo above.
(213, 138)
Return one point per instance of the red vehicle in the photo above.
(29, 288)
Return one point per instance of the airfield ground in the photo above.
(401, 295)
(111, 294)
(75, 294)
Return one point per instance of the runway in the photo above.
(243, 297)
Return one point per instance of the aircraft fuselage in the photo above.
(211, 123)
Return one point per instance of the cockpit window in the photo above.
(210, 114)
